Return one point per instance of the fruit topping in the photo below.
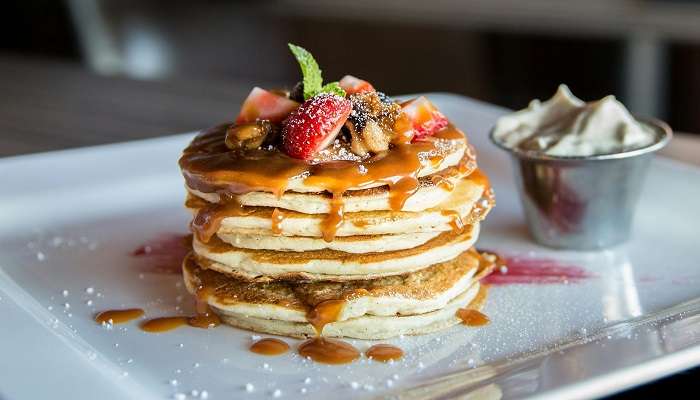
(312, 83)
(425, 117)
(249, 135)
(263, 104)
(353, 85)
(371, 123)
(314, 125)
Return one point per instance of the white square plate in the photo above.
(72, 219)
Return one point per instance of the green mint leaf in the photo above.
(333, 88)
(309, 70)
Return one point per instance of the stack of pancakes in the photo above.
(385, 253)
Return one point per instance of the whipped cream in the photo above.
(567, 126)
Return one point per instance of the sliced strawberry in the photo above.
(353, 85)
(424, 116)
(263, 104)
(314, 125)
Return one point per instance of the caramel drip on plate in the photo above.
(277, 218)
(324, 350)
(328, 351)
(384, 352)
(163, 324)
(118, 316)
(209, 166)
(269, 347)
(205, 317)
(472, 317)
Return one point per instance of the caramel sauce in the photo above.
(209, 166)
(361, 223)
(328, 351)
(471, 317)
(401, 190)
(205, 317)
(163, 324)
(456, 222)
(118, 316)
(324, 313)
(479, 177)
(277, 218)
(208, 219)
(442, 182)
(269, 347)
(334, 219)
(384, 352)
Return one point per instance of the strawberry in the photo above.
(424, 116)
(263, 104)
(353, 85)
(314, 125)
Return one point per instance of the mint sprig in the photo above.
(312, 78)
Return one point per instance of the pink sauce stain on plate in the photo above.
(164, 253)
(539, 271)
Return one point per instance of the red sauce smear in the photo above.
(539, 271)
(164, 253)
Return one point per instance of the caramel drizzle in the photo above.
(209, 166)
(456, 222)
(118, 316)
(321, 349)
(384, 352)
(328, 351)
(324, 313)
(163, 324)
(204, 317)
(470, 315)
(277, 219)
(208, 219)
(269, 347)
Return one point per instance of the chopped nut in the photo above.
(248, 136)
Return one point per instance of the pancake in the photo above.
(469, 193)
(209, 166)
(347, 244)
(366, 327)
(372, 309)
(429, 194)
(330, 264)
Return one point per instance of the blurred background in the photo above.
(165, 66)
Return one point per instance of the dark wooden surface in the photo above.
(48, 105)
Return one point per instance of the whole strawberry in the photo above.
(314, 125)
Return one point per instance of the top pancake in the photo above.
(210, 167)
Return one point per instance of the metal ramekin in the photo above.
(582, 202)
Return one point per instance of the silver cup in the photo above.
(583, 203)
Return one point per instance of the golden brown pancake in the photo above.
(283, 306)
